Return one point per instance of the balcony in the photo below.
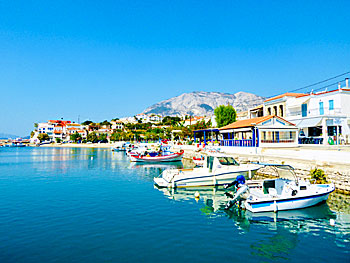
(316, 112)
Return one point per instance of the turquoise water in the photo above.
(92, 205)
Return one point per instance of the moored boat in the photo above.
(286, 192)
(218, 169)
(156, 157)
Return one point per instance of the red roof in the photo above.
(298, 95)
(286, 95)
(251, 122)
(60, 122)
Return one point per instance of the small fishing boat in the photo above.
(122, 146)
(157, 157)
(217, 169)
(285, 192)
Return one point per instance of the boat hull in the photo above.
(166, 158)
(288, 203)
(198, 180)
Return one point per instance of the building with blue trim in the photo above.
(266, 131)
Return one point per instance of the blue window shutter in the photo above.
(303, 110)
(321, 108)
(331, 105)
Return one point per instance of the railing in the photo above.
(316, 112)
(238, 143)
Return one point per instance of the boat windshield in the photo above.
(286, 172)
(227, 161)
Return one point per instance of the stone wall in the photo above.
(339, 174)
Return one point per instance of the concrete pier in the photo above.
(334, 161)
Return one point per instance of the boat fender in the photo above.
(240, 179)
(196, 195)
(294, 192)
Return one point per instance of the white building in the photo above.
(117, 125)
(322, 118)
(59, 130)
(149, 118)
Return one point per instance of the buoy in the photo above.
(92, 158)
(332, 222)
(196, 195)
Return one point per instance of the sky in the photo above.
(100, 60)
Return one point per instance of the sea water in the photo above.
(93, 205)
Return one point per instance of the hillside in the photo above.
(203, 103)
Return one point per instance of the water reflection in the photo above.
(281, 229)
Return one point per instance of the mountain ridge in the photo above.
(203, 103)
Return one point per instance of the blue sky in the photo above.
(107, 59)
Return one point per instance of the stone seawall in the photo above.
(337, 173)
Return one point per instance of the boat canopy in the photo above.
(283, 171)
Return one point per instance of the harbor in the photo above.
(100, 202)
(182, 131)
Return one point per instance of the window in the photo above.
(332, 130)
(331, 104)
(227, 161)
(321, 108)
(303, 110)
(281, 111)
(315, 131)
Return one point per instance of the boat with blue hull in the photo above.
(287, 192)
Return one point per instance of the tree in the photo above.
(86, 122)
(43, 137)
(32, 134)
(105, 123)
(58, 140)
(224, 115)
(173, 121)
(102, 138)
(115, 136)
(75, 137)
(92, 137)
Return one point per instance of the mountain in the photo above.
(202, 103)
(7, 136)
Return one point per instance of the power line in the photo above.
(323, 81)
(311, 85)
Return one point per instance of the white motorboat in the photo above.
(286, 192)
(217, 169)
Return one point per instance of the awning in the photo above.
(309, 123)
(237, 130)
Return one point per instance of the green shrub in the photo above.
(318, 175)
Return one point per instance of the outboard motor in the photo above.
(239, 184)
